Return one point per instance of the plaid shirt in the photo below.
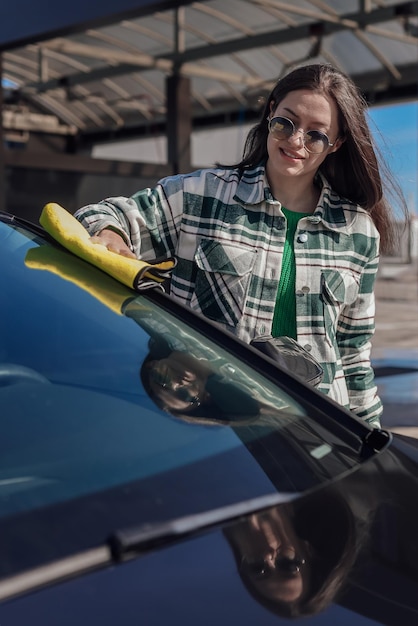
(228, 233)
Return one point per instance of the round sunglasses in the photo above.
(290, 567)
(314, 141)
(180, 391)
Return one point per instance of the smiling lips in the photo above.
(291, 155)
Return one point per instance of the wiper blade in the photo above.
(129, 542)
(54, 572)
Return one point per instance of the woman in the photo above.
(286, 242)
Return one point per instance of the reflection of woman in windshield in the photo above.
(179, 384)
(194, 388)
(187, 375)
(294, 559)
(273, 559)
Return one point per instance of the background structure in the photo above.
(80, 74)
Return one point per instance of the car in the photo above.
(154, 469)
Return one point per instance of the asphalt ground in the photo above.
(395, 345)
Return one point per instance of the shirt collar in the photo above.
(330, 208)
(251, 186)
(253, 189)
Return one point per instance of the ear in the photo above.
(337, 144)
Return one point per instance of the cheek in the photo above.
(322, 157)
(315, 160)
(318, 159)
(272, 145)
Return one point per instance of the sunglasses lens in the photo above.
(159, 377)
(255, 569)
(316, 141)
(183, 394)
(290, 566)
(281, 127)
(259, 569)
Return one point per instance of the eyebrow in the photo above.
(316, 123)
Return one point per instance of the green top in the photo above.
(284, 319)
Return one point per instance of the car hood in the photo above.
(356, 557)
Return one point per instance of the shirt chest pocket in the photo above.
(222, 280)
(338, 289)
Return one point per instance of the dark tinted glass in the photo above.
(81, 413)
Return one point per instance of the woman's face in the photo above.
(273, 558)
(177, 381)
(308, 110)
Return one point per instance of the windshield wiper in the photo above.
(129, 542)
(62, 569)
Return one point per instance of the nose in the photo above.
(298, 137)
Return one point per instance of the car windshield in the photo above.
(102, 388)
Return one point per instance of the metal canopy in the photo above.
(110, 80)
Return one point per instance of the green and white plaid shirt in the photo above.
(228, 233)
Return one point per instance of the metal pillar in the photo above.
(178, 98)
(179, 123)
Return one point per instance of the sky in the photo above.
(395, 129)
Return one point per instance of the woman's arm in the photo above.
(145, 225)
(354, 334)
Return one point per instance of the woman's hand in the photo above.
(113, 242)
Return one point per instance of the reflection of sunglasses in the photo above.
(314, 141)
(261, 568)
(179, 390)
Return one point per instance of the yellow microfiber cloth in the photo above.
(134, 273)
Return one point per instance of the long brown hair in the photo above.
(356, 171)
